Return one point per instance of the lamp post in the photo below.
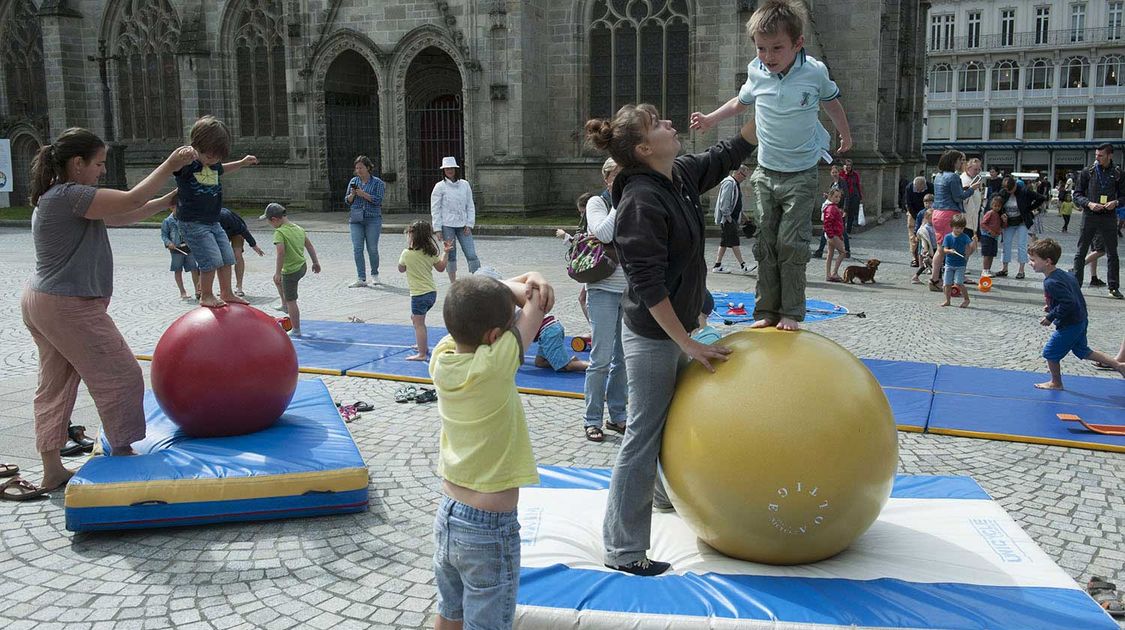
(115, 157)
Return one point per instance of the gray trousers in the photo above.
(651, 365)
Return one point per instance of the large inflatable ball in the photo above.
(786, 454)
(224, 371)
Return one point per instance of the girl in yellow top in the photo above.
(417, 261)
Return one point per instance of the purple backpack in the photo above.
(590, 260)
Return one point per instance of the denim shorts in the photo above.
(954, 275)
(421, 304)
(552, 346)
(183, 262)
(1070, 338)
(289, 283)
(209, 244)
(476, 564)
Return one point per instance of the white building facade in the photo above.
(1026, 85)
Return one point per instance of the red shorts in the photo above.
(941, 219)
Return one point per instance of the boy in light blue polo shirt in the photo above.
(786, 87)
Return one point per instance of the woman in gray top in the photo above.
(64, 304)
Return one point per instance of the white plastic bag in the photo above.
(861, 219)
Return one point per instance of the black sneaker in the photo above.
(1116, 294)
(1097, 282)
(643, 568)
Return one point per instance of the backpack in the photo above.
(590, 260)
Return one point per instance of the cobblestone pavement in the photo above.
(372, 570)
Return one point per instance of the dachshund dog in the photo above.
(865, 273)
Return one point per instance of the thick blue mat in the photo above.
(903, 374)
(1080, 390)
(306, 464)
(1020, 420)
(819, 309)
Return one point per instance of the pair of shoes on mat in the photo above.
(1106, 595)
(643, 568)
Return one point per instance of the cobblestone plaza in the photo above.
(373, 569)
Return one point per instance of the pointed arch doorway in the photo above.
(435, 122)
(351, 112)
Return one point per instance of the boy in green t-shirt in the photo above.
(291, 243)
(485, 454)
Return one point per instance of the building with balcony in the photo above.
(1025, 85)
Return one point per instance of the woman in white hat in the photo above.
(453, 214)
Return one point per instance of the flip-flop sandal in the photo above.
(19, 489)
(363, 406)
(616, 428)
(406, 393)
(1102, 366)
(1106, 595)
(77, 433)
(348, 413)
(425, 396)
(9, 470)
(594, 434)
(355, 320)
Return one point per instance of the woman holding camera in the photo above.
(365, 201)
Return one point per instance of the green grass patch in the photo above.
(564, 219)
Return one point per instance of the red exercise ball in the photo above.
(224, 371)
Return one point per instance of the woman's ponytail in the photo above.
(48, 167)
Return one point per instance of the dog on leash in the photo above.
(865, 273)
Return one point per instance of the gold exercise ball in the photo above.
(786, 454)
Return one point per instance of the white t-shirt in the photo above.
(972, 204)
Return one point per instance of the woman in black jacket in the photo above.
(659, 241)
(1020, 203)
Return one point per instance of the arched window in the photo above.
(21, 56)
(640, 52)
(1005, 76)
(1040, 74)
(1110, 70)
(972, 77)
(148, 79)
(259, 53)
(941, 79)
(1076, 72)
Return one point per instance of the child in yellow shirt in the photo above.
(485, 452)
(417, 261)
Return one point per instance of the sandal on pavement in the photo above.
(594, 434)
(348, 413)
(1103, 366)
(361, 406)
(425, 396)
(77, 433)
(19, 489)
(616, 428)
(9, 470)
(1106, 595)
(405, 393)
(1001, 274)
(1019, 276)
(73, 448)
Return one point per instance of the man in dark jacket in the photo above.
(239, 236)
(1099, 191)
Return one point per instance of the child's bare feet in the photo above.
(233, 299)
(787, 323)
(210, 301)
(576, 365)
(1049, 385)
(183, 295)
(965, 304)
(417, 357)
(945, 303)
(763, 323)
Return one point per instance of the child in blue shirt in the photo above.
(787, 88)
(1066, 309)
(182, 260)
(957, 247)
(198, 207)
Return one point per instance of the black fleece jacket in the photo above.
(659, 235)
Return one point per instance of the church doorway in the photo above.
(23, 151)
(435, 125)
(351, 111)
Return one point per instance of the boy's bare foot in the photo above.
(1049, 385)
(417, 357)
(787, 323)
(54, 483)
(945, 303)
(183, 296)
(233, 299)
(965, 304)
(210, 301)
(763, 323)
(577, 365)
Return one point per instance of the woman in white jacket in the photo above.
(453, 215)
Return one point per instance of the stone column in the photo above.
(70, 76)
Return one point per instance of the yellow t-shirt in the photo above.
(484, 441)
(419, 271)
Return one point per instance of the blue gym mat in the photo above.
(903, 374)
(306, 464)
(819, 309)
(1080, 390)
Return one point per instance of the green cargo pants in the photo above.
(786, 202)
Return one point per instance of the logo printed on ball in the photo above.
(799, 493)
